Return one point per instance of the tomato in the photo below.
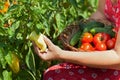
(101, 46)
(114, 39)
(110, 43)
(87, 37)
(86, 47)
(100, 37)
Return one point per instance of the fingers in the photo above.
(37, 51)
(35, 48)
(48, 42)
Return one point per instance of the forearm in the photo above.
(98, 59)
(98, 16)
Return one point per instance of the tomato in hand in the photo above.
(101, 46)
(87, 37)
(86, 47)
(100, 37)
(110, 43)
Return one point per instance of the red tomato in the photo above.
(87, 37)
(100, 37)
(114, 39)
(101, 46)
(110, 43)
(87, 47)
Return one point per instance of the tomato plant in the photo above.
(101, 37)
(87, 37)
(18, 18)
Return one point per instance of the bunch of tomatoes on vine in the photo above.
(100, 41)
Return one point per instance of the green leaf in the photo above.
(7, 75)
(39, 26)
(25, 75)
(15, 25)
(2, 58)
(12, 29)
(73, 12)
(29, 24)
(2, 31)
(8, 58)
(13, 7)
(59, 21)
(30, 61)
(74, 3)
(0, 78)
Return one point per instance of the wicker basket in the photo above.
(66, 36)
(70, 30)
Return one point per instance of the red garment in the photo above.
(112, 12)
(68, 71)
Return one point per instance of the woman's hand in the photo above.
(52, 52)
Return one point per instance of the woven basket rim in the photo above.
(63, 37)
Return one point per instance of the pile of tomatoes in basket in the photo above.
(100, 41)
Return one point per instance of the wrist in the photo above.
(61, 54)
